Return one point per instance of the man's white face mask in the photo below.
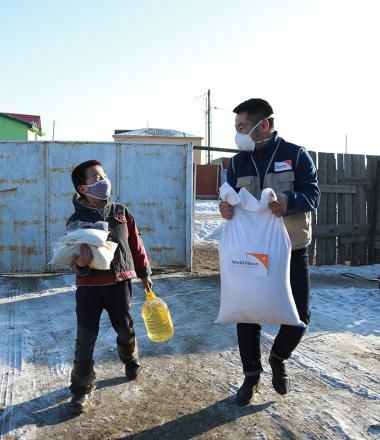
(244, 142)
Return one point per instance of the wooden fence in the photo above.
(346, 227)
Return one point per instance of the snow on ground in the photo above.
(208, 224)
(207, 206)
(188, 384)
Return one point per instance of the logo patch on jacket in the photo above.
(285, 165)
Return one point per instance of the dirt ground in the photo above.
(187, 387)
(205, 258)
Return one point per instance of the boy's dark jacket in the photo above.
(130, 258)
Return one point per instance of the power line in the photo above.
(174, 108)
(223, 109)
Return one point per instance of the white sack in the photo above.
(254, 253)
(102, 255)
(92, 236)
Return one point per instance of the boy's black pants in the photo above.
(90, 302)
(288, 336)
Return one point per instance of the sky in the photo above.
(94, 66)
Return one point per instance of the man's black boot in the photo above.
(79, 401)
(247, 391)
(280, 379)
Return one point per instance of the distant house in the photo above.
(159, 136)
(18, 127)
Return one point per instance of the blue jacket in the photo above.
(306, 194)
(286, 168)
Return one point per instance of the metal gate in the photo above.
(155, 181)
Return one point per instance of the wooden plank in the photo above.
(373, 216)
(370, 173)
(366, 181)
(320, 252)
(338, 189)
(359, 250)
(347, 202)
(331, 243)
(341, 208)
(342, 230)
(360, 240)
(371, 197)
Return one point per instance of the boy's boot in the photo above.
(247, 391)
(280, 379)
(129, 356)
(82, 383)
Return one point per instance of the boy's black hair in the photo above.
(78, 176)
(256, 109)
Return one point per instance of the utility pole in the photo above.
(208, 116)
(346, 144)
(53, 130)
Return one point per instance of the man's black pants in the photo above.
(90, 302)
(288, 336)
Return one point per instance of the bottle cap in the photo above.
(150, 295)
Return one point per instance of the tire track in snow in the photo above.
(308, 375)
(339, 419)
(11, 348)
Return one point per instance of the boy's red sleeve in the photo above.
(140, 257)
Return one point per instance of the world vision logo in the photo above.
(285, 165)
(261, 257)
(244, 262)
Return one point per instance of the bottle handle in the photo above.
(149, 294)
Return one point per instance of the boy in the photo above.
(104, 289)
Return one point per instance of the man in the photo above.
(267, 161)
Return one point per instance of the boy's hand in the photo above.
(280, 207)
(84, 258)
(148, 283)
(226, 210)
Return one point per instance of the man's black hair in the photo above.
(78, 176)
(256, 109)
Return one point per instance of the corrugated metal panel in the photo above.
(156, 182)
(36, 197)
(207, 180)
(158, 132)
(22, 207)
(62, 158)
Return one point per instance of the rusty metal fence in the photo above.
(155, 181)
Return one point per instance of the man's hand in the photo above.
(226, 210)
(148, 283)
(84, 258)
(280, 207)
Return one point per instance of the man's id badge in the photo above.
(285, 165)
(256, 264)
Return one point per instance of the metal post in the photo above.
(208, 127)
(346, 145)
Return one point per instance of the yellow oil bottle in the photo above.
(157, 319)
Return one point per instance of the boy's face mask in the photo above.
(101, 189)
